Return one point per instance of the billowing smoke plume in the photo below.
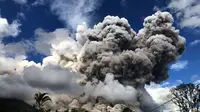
(113, 47)
(104, 68)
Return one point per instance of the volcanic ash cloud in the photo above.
(113, 47)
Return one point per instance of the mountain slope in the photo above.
(13, 105)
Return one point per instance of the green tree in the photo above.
(186, 97)
(40, 99)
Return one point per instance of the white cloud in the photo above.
(21, 15)
(160, 94)
(15, 49)
(194, 78)
(9, 65)
(20, 1)
(45, 41)
(20, 78)
(14, 86)
(179, 81)
(75, 12)
(187, 11)
(12, 57)
(123, 3)
(180, 4)
(38, 2)
(7, 29)
(52, 79)
(197, 82)
(156, 8)
(179, 65)
(195, 42)
(191, 22)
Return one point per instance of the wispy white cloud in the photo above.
(187, 11)
(123, 3)
(195, 42)
(156, 8)
(21, 15)
(7, 29)
(180, 4)
(179, 81)
(179, 65)
(22, 2)
(194, 78)
(38, 2)
(75, 12)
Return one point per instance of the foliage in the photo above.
(40, 99)
(186, 97)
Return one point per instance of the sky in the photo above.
(29, 27)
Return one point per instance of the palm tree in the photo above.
(40, 99)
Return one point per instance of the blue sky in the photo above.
(42, 15)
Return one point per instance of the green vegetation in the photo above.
(186, 97)
(40, 99)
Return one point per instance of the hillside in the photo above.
(13, 105)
